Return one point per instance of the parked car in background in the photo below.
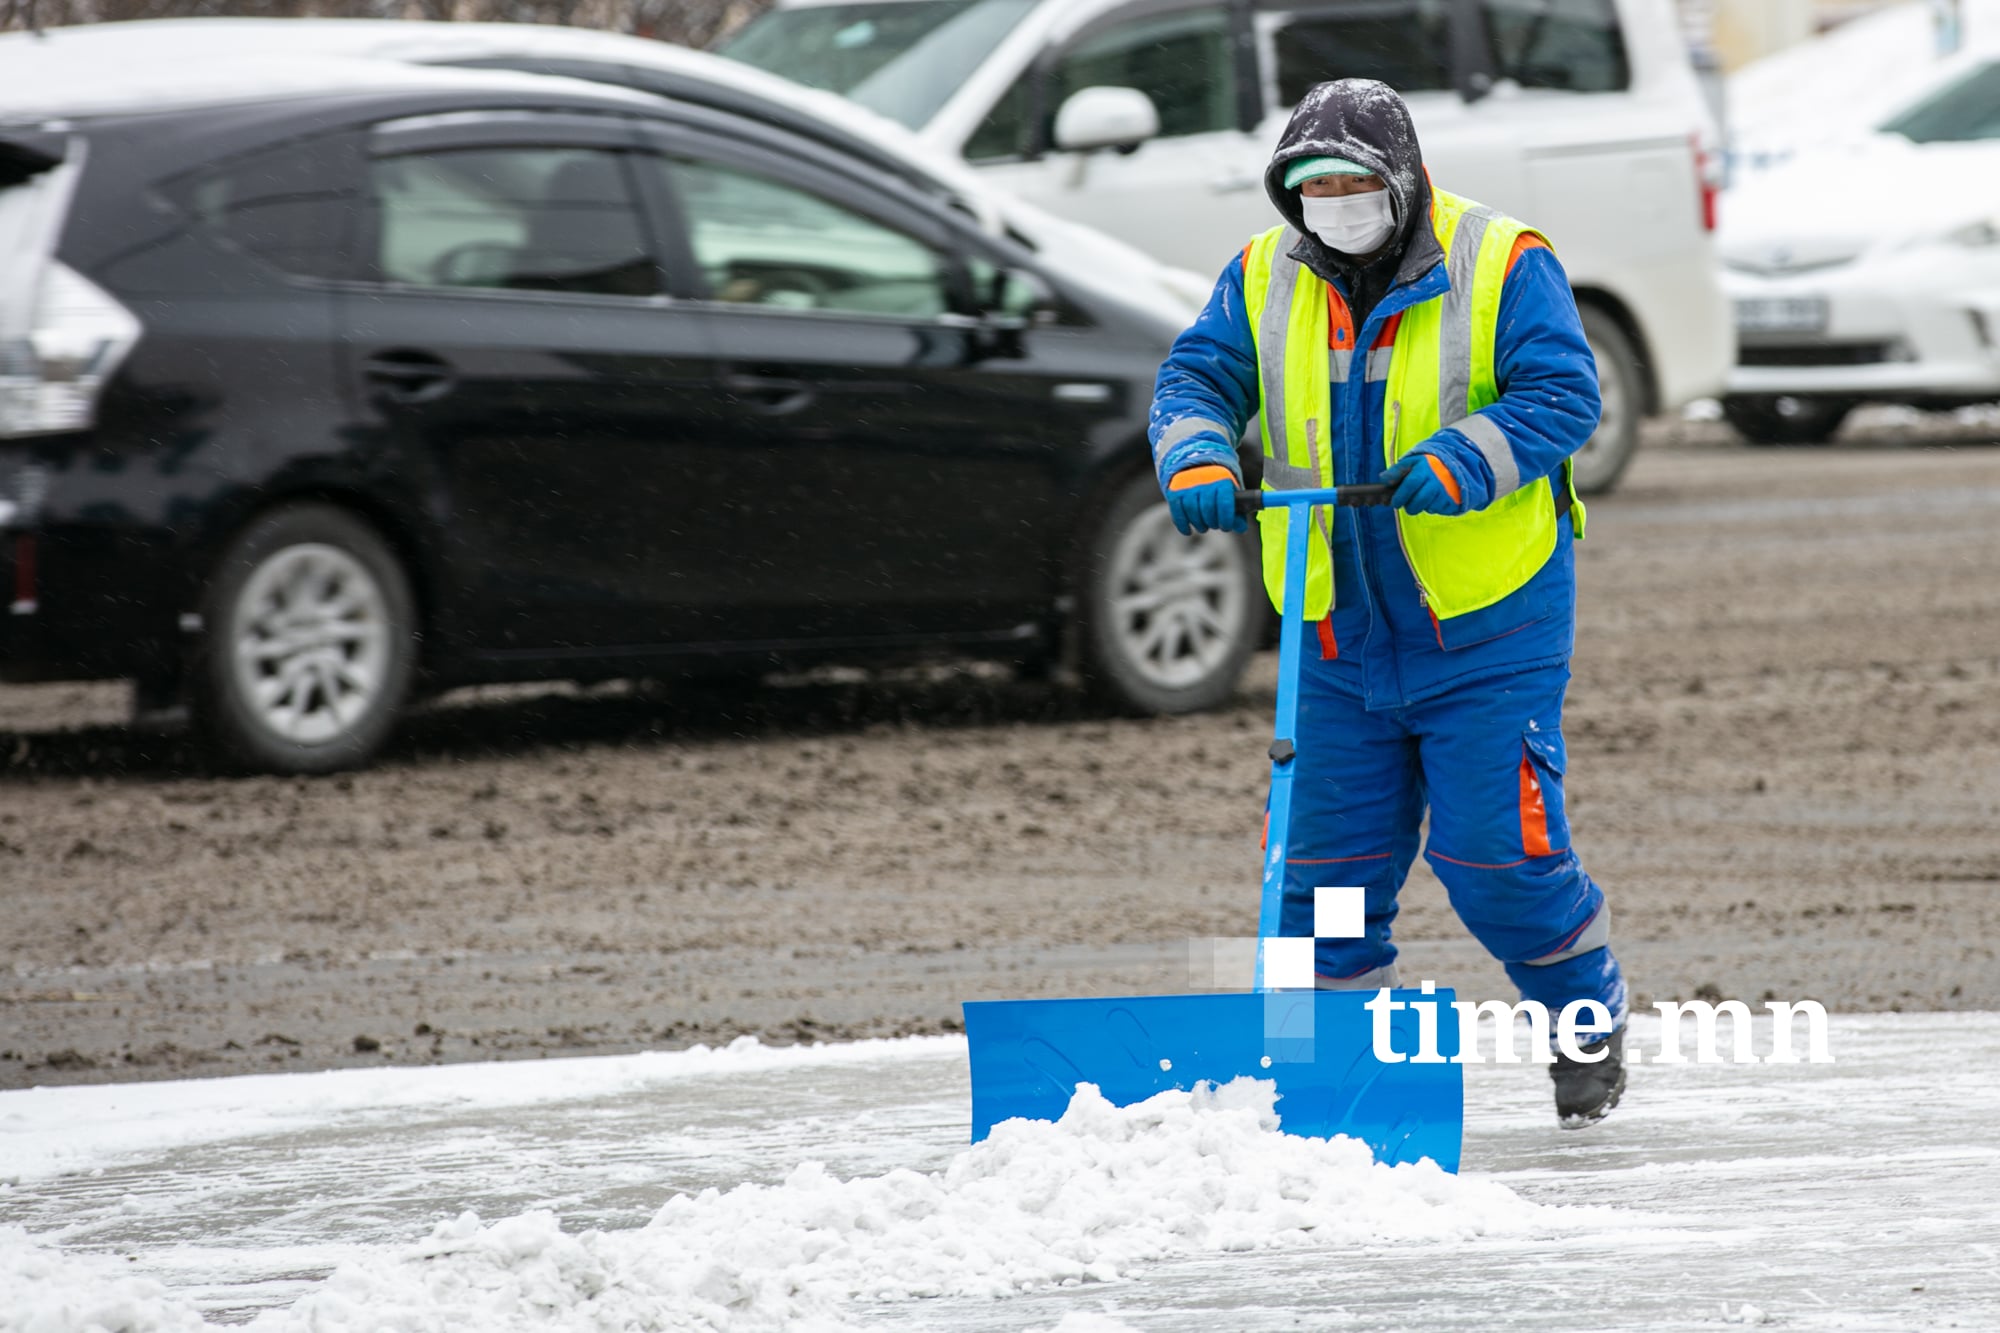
(121, 64)
(326, 382)
(1154, 119)
(1870, 272)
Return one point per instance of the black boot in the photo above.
(1585, 1093)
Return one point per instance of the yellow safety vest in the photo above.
(1440, 372)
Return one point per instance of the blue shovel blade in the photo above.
(1318, 1046)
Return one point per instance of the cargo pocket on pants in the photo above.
(1544, 830)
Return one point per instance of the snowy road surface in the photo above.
(1859, 1195)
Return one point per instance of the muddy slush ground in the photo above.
(1784, 767)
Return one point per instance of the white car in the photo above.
(108, 65)
(1871, 272)
(1154, 120)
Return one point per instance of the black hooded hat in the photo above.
(1366, 122)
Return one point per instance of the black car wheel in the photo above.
(309, 643)
(1603, 458)
(1167, 622)
(1760, 419)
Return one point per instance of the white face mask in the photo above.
(1354, 224)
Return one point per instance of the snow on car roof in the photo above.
(110, 67)
(132, 80)
(228, 41)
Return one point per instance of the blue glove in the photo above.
(1425, 484)
(1203, 499)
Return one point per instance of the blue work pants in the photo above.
(1486, 759)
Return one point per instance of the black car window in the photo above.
(292, 207)
(759, 241)
(1404, 43)
(523, 219)
(1184, 61)
(1967, 109)
(1573, 45)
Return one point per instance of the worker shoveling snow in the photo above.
(1088, 1199)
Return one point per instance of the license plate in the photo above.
(1781, 314)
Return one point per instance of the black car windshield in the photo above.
(1964, 110)
(903, 59)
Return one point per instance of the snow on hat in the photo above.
(1308, 167)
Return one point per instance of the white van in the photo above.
(1582, 117)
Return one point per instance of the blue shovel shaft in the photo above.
(1291, 647)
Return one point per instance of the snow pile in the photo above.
(45, 1291)
(1088, 1322)
(1090, 1198)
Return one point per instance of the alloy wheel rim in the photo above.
(1177, 607)
(311, 646)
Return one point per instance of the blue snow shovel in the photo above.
(1028, 1056)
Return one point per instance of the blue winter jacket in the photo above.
(1387, 647)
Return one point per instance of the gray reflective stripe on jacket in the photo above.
(1593, 936)
(1374, 979)
(1186, 428)
(1491, 441)
(1273, 324)
(1455, 354)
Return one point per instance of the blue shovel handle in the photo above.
(1291, 640)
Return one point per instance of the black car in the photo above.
(311, 402)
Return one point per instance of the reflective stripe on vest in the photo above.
(1440, 371)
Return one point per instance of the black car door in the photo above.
(515, 347)
(878, 474)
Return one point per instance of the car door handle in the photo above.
(775, 395)
(410, 376)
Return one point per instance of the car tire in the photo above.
(1166, 623)
(1621, 387)
(1784, 420)
(309, 643)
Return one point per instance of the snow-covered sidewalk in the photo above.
(667, 1191)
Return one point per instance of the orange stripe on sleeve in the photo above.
(1444, 475)
(1188, 478)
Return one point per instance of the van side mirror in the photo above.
(1103, 117)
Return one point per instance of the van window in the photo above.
(1184, 61)
(762, 242)
(901, 58)
(1572, 45)
(524, 219)
(1404, 43)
